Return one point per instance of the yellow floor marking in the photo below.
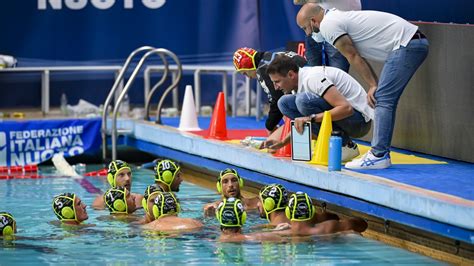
(397, 158)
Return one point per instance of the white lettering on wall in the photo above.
(128, 4)
(99, 4)
(75, 4)
(153, 4)
(103, 4)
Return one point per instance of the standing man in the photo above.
(253, 64)
(318, 51)
(321, 89)
(378, 36)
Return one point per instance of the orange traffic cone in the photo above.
(286, 150)
(321, 151)
(218, 127)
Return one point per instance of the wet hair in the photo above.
(282, 64)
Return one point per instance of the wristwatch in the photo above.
(313, 118)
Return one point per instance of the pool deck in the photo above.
(420, 191)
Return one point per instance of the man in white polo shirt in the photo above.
(378, 36)
(319, 52)
(320, 89)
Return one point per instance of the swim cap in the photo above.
(274, 197)
(151, 189)
(116, 200)
(114, 168)
(165, 171)
(225, 172)
(244, 59)
(231, 213)
(7, 224)
(165, 204)
(63, 207)
(300, 207)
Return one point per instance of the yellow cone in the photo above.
(321, 149)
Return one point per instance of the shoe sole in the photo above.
(368, 168)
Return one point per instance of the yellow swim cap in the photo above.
(63, 207)
(231, 213)
(300, 207)
(7, 224)
(116, 200)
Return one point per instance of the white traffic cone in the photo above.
(188, 120)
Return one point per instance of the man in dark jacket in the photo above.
(253, 64)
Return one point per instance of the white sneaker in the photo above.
(349, 153)
(369, 161)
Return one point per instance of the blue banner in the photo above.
(36, 141)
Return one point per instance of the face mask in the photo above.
(317, 36)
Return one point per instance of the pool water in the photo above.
(112, 241)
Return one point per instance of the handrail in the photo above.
(111, 94)
(125, 90)
(172, 86)
(150, 94)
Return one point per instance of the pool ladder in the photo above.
(161, 52)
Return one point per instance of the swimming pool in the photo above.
(113, 241)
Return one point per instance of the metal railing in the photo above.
(160, 52)
(176, 79)
(198, 70)
(45, 77)
(176, 71)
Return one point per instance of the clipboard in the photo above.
(301, 143)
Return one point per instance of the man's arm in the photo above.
(98, 203)
(333, 226)
(274, 117)
(210, 208)
(342, 109)
(346, 47)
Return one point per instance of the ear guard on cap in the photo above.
(165, 204)
(244, 59)
(63, 207)
(148, 191)
(231, 213)
(165, 171)
(116, 200)
(274, 197)
(7, 224)
(114, 168)
(300, 207)
(225, 172)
